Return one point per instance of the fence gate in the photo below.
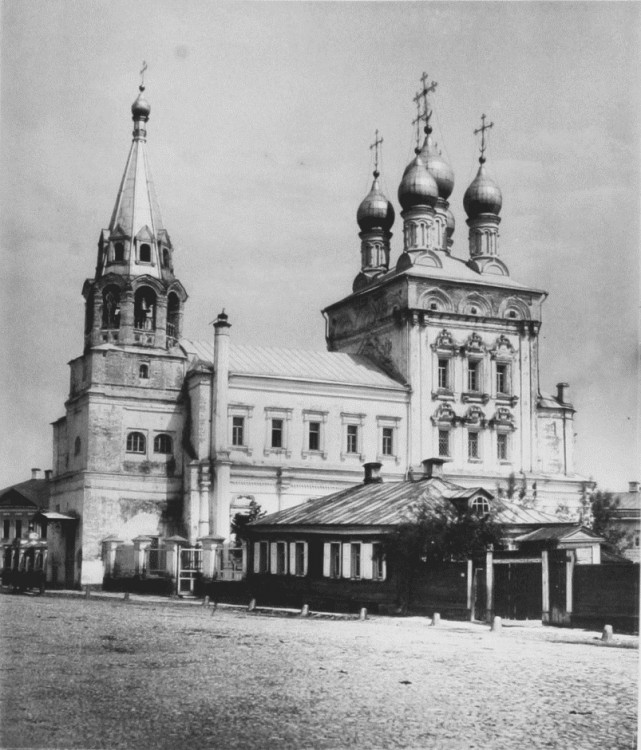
(518, 589)
(189, 567)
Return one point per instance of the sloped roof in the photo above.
(34, 493)
(628, 501)
(560, 532)
(296, 364)
(390, 504)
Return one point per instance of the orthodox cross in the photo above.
(377, 142)
(482, 130)
(142, 74)
(417, 119)
(427, 112)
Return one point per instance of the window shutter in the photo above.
(304, 558)
(273, 550)
(366, 560)
(347, 561)
(256, 557)
(292, 558)
(326, 559)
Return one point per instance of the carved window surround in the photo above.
(239, 410)
(474, 397)
(309, 415)
(284, 414)
(443, 394)
(393, 424)
(357, 420)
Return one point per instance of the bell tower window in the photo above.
(144, 253)
(111, 307)
(119, 252)
(173, 316)
(145, 309)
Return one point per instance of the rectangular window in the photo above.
(263, 557)
(472, 445)
(281, 558)
(18, 528)
(444, 443)
(502, 446)
(238, 431)
(352, 438)
(444, 373)
(299, 559)
(387, 447)
(378, 562)
(6, 529)
(473, 376)
(314, 436)
(335, 560)
(355, 560)
(502, 372)
(277, 433)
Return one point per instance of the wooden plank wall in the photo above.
(606, 595)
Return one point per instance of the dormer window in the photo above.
(144, 253)
(480, 506)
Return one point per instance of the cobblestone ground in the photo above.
(104, 673)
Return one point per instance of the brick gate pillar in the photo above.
(211, 545)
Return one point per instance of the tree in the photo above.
(604, 506)
(241, 519)
(432, 536)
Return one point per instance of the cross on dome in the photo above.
(482, 130)
(377, 142)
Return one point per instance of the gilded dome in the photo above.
(483, 196)
(438, 167)
(418, 187)
(375, 210)
(141, 107)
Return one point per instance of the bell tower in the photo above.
(135, 298)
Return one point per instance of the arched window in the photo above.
(166, 258)
(119, 252)
(136, 442)
(76, 447)
(173, 310)
(163, 443)
(145, 253)
(111, 307)
(143, 371)
(480, 506)
(145, 309)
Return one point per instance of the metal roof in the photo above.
(390, 504)
(296, 364)
(560, 532)
(33, 493)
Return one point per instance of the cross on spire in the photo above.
(142, 75)
(482, 130)
(427, 112)
(377, 142)
(417, 120)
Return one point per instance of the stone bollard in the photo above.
(206, 601)
(606, 637)
(87, 592)
(252, 605)
(436, 619)
(496, 625)
(362, 615)
(214, 608)
(305, 611)
(126, 596)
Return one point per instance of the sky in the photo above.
(262, 114)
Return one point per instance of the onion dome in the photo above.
(418, 187)
(450, 223)
(483, 196)
(141, 107)
(375, 211)
(438, 167)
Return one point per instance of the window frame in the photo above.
(136, 435)
(503, 447)
(284, 415)
(277, 433)
(443, 374)
(476, 454)
(502, 372)
(311, 416)
(444, 434)
(355, 560)
(159, 438)
(143, 367)
(238, 431)
(335, 559)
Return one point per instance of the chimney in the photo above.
(432, 467)
(372, 473)
(562, 393)
(34, 473)
(633, 487)
(48, 474)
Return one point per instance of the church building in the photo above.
(433, 354)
